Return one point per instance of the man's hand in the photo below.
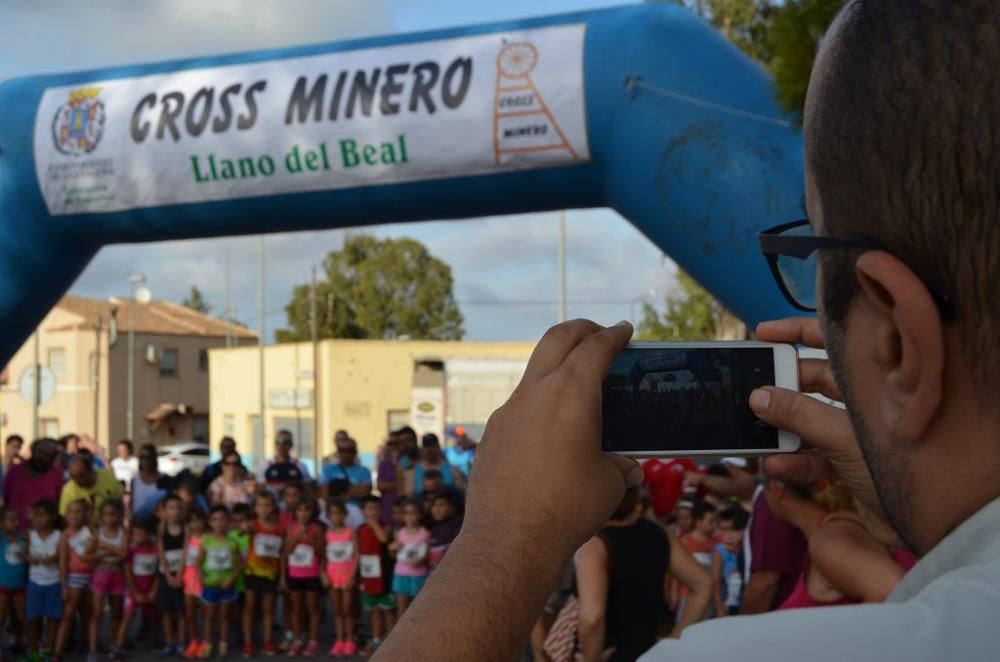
(830, 449)
(540, 474)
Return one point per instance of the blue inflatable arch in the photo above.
(643, 109)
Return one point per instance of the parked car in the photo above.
(175, 458)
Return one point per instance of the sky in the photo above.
(504, 268)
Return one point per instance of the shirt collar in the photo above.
(974, 541)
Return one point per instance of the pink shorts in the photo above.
(338, 576)
(192, 582)
(108, 582)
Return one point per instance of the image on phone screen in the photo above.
(686, 399)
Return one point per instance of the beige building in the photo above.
(366, 387)
(84, 342)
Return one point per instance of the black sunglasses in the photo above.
(791, 250)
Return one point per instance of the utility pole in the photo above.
(562, 266)
(258, 450)
(314, 332)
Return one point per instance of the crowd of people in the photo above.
(96, 555)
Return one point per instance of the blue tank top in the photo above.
(447, 477)
(13, 562)
(732, 576)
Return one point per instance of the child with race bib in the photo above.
(197, 524)
(141, 567)
(76, 568)
(220, 564)
(110, 546)
(375, 568)
(303, 551)
(170, 596)
(267, 538)
(411, 549)
(13, 568)
(341, 568)
(44, 589)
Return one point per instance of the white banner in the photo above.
(448, 108)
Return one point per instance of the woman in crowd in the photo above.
(845, 564)
(230, 488)
(620, 575)
(144, 488)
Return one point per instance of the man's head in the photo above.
(433, 481)
(227, 445)
(124, 449)
(81, 470)
(347, 451)
(283, 445)
(732, 522)
(901, 151)
(44, 454)
(407, 441)
(431, 448)
(15, 441)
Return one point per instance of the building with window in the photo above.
(366, 387)
(84, 342)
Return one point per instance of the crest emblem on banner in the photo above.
(79, 123)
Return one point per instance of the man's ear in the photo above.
(908, 343)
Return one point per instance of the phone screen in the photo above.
(686, 399)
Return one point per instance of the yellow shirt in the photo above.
(105, 487)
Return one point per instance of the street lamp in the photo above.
(642, 297)
(136, 292)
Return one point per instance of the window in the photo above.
(168, 363)
(57, 361)
(50, 427)
(92, 370)
(203, 359)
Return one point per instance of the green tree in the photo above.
(379, 289)
(691, 314)
(195, 301)
(793, 39)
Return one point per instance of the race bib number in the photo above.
(173, 558)
(302, 556)
(267, 546)
(219, 559)
(144, 565)
(371, 566)
(412, 552)
(192, 556)
(339, 552)
(80, 542)
(15, 553)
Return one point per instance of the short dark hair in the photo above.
(218, 508)
(430, 440)
(736, 515)
(370, 498)
(172, 497)
(338, 504)
(407, 430)
(11, 438)
(442, 496)
(127, 443)
(700, 509)
(48, 506)
(904, 152)
(115, 504)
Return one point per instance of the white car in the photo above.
(175, 458)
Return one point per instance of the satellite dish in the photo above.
(143, 295)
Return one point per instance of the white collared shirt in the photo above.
(944, 609)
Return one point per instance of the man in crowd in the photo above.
(903, 186)
(126, 464)
(27, 483)
(284, 468)
(88, 482)
(409, 449)
(348, 468)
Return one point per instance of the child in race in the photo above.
(411, 549)
(110, 546)
(727, 562)
(76, 568)
(341, 567)
(291, 495)
(141, 567)
(219, 564)
(170, 597)
(44, 589)
(303, 551)
(13, 568)
(197, 525)
(262, 572)
(444, 527)
(375, 567)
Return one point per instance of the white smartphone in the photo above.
(690, 399)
